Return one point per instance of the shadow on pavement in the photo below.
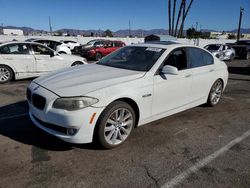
(19, 127)
(239, 70)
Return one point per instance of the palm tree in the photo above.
(172, 31)
(169, 17)
(178, 18)
(184, 17)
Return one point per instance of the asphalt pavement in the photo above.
(201, 147)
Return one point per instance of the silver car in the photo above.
(221, 51)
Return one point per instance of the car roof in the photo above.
(163, 45)
(20, 42)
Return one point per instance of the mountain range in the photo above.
(119, 33)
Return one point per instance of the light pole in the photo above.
(241, 13)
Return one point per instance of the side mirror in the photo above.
(168, 69)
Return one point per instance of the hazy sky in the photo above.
(115, 14)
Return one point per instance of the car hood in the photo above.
(83, 79)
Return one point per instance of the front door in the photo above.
(172, 91)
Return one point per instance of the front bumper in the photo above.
(57, 121)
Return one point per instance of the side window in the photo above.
(20, 49)
(198, 57)
(177, 58)
(118, 44)
(41, 50)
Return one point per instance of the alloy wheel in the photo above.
(4, 74)
(216, 92)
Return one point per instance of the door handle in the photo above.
(189, 75)
(212, 70)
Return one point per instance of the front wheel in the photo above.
(115, 124)
(215, 93)
(248, 56)
(6, 74)
(98, 56)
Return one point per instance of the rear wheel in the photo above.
(215, 93)
(98, 56)
(6, 74)
(115, 124)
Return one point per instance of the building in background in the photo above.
(16, 32)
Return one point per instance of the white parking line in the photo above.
(197, 166)
(14, 116)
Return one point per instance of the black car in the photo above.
(242, 49)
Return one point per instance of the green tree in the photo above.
(108, 33)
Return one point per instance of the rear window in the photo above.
(198, 57)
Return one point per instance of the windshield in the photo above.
(92, 42)
(213, 47)
(133, 58)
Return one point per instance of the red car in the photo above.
(100, 49)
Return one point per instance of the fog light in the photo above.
(71, 131)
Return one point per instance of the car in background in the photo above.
(100, 48)
(20, 60)
(70, 44)
(133, 86)
(90, 44)
(242, 49)
(61, 48)
(221, 51)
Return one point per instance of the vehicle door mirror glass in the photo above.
(168, 69)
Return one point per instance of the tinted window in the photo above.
(41, 50)
(198, 57)
(118, 44)
(15, 49)
(178, 59)
(133, 58)
(212, 47)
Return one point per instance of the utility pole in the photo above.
(129, 28)
(241, 13)
(2, 27)
(50, 27)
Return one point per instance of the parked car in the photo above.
(100, 48)
(221, 51)
(20, 60)
(61, 48)
(133, 86)
(242, 49)
(70, 44)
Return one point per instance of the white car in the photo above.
(222, 51)
(20, 60)
(61, 48)
(70, 44)
(133, 86)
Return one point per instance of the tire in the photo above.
(215, 93)
(6, 74)
(115, 124)
(77, 63)
(98, 56)
(248, 56)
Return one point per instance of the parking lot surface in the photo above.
(201, 147)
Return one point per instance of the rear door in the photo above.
(203, 69)
(46, 61)
(19, 56)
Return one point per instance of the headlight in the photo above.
(74, 103)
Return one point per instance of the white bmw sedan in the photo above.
(130, 87)
(20, 60)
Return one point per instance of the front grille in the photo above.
(28, 94)
(38, 101)
(51, 126)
